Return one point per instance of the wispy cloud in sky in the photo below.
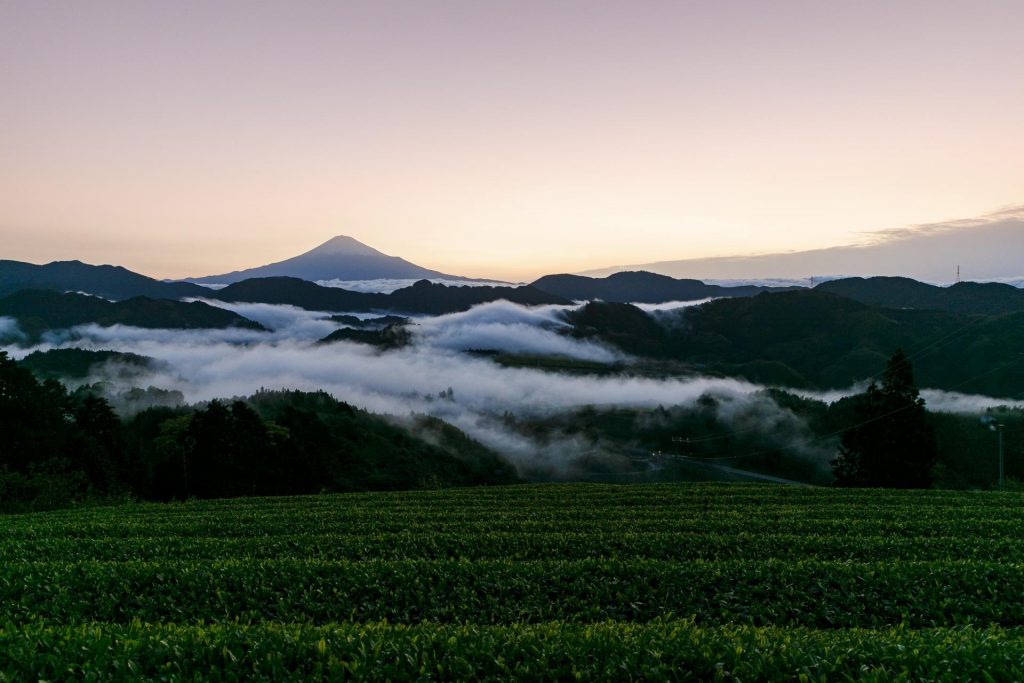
(984, 248)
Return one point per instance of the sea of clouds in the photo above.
(206, 364)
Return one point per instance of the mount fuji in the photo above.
(339, 258)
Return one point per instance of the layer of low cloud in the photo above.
(9, 330)
(670, 305)
(937, 400)
(206, 364)
(508, 327)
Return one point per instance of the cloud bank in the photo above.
(201, 365)
(985, 248)
(9, 330)
(207, 364)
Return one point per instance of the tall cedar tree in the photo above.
(893, 445)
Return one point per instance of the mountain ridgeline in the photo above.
(292, 282)
(39, 311)
(109, 282)
(981, 298)
(816, 340)
(640, 287)
(424, 297)
(119, 284)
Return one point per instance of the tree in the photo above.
(97, 447)
(892, 444)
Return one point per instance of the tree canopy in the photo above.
(57, 448)
(892, 444)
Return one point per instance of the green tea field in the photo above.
(539, 582)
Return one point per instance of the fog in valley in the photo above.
(443, 373)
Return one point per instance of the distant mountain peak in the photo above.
(339, 258)
(343, 244)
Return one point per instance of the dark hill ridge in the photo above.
(341, 257)
(78, 363)
(38, 311)
(424, 297)
(818, 340)
(119, 284)
(390, 337)
(109, 282)
(640, 287)
(981, 298)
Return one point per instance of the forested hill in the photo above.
(38, 311)
(118, 284)
(983, 298)
(78, 363)
(818, 340)
(423, 297)
(59, 448)
(109, 282)
(640, 287)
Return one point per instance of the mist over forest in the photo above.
(605, 392)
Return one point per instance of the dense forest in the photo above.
(64, 446)
(61, 447)
(800, 444)
(812, 339)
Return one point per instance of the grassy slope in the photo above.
(607, 582)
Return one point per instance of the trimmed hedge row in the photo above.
(677, 651)
(516, 546)
(772, 592)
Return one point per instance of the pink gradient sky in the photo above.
(498, 139)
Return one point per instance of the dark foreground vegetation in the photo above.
(654, 582)
(60, 448)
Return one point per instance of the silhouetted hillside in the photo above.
(77, 363)
(435, 299)
(38, 311)
(59, 448)
(390, 337)
(368, 323)
(984, 298)
(639, 287)
(423, 297)
(623, 325)
(818, 340)
(295, 292)
(109, 282)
